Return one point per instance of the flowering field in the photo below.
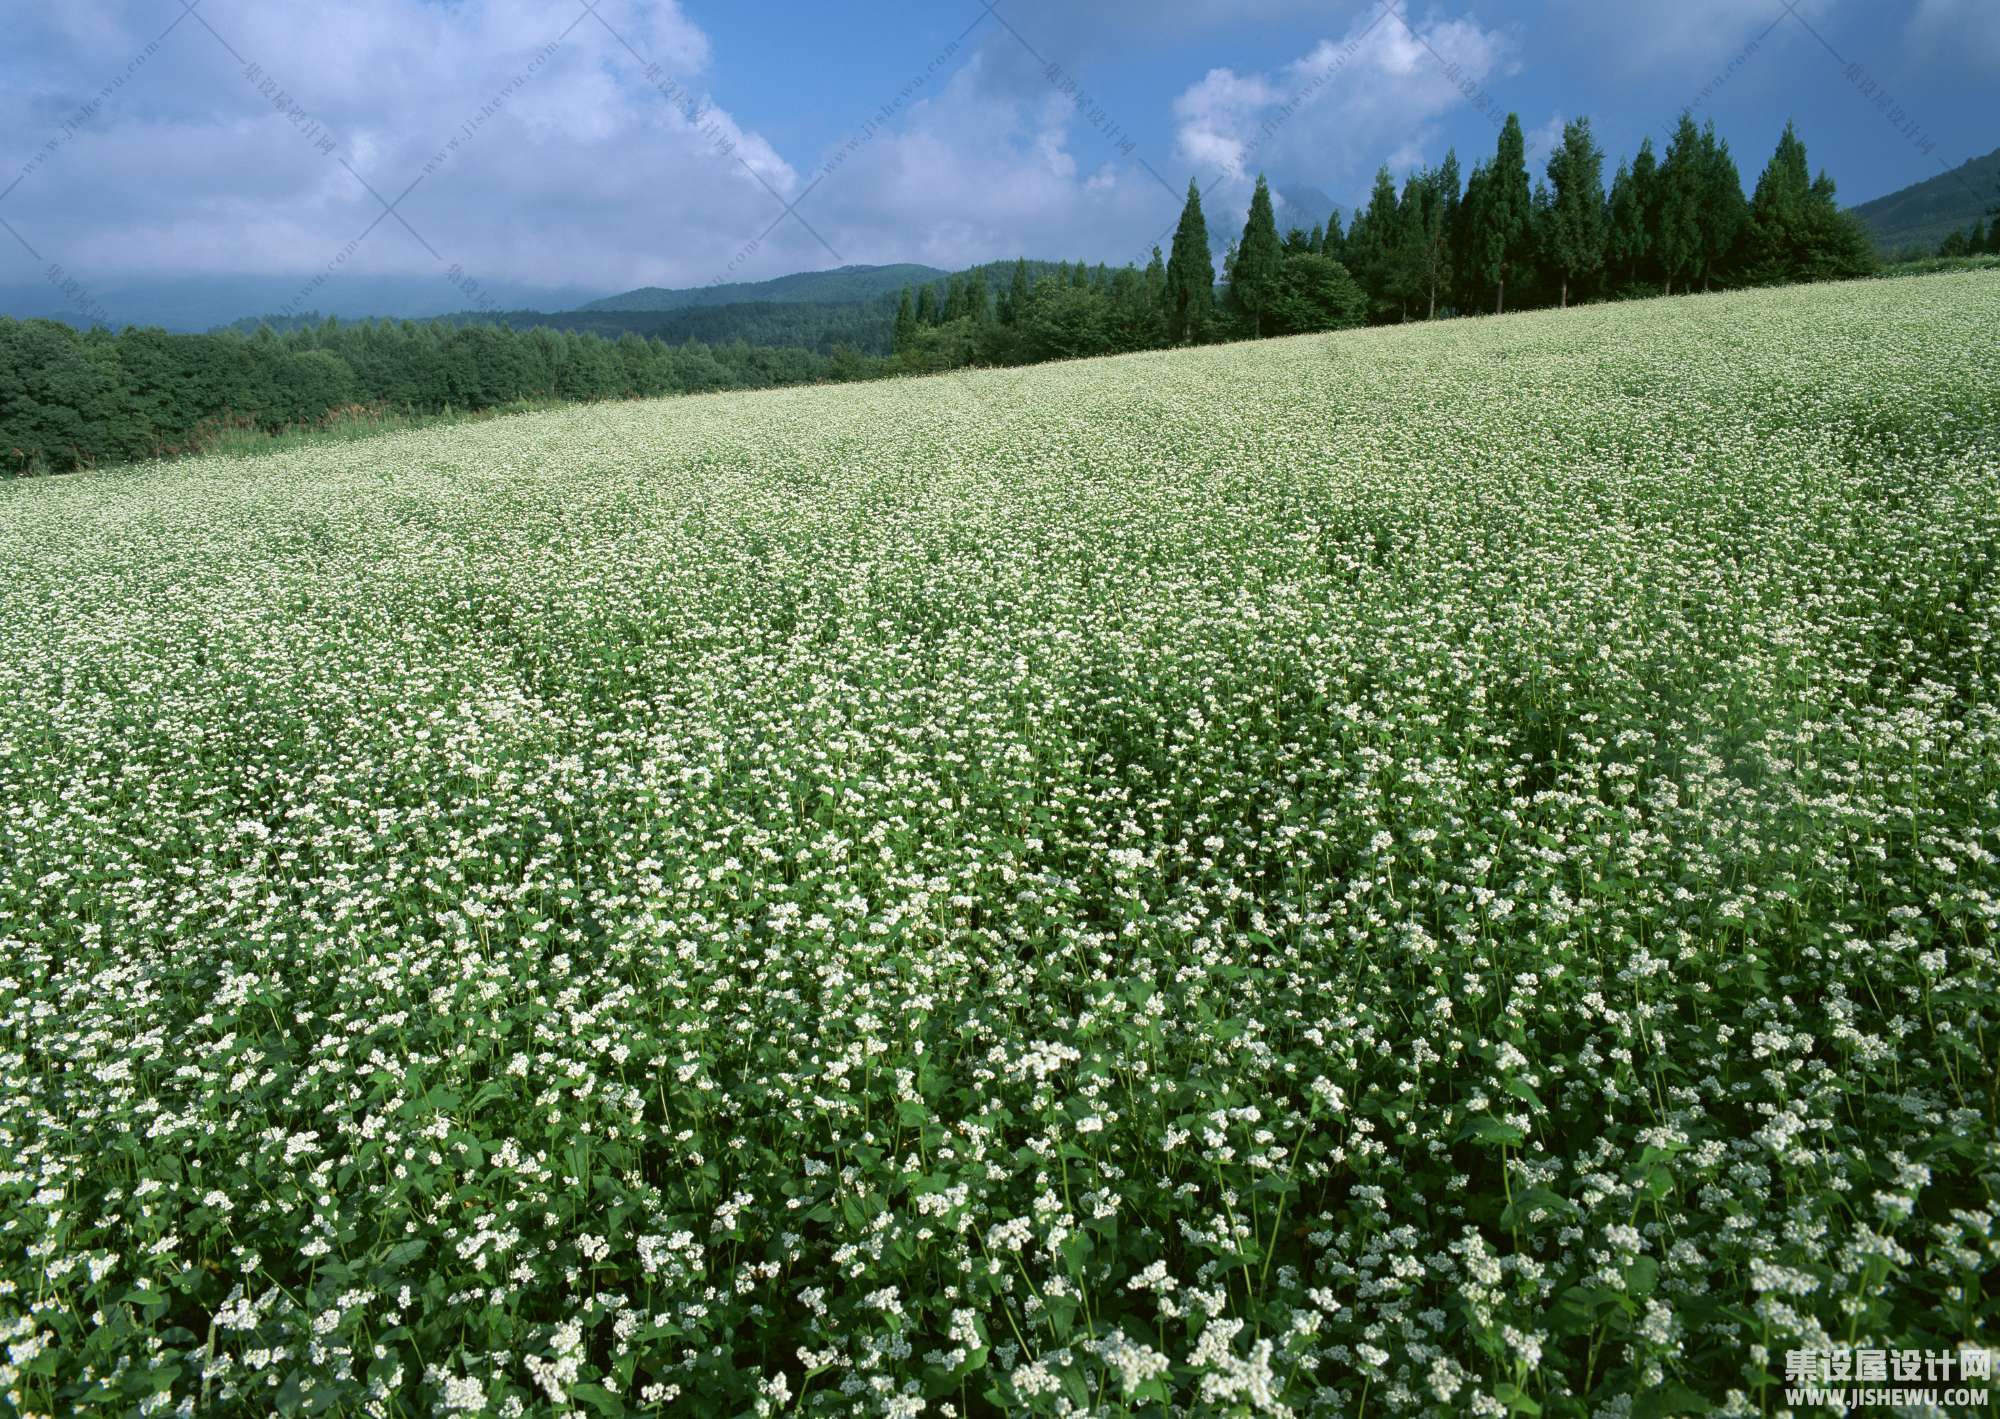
(1439, 870)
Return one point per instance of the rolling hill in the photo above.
(1925, 213)
(1466, 790)
(847, 283)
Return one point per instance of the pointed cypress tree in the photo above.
(906, 322)
(1253, 280)
(927, 313)
(1626, 237)
(1335, 244)
(1646, 185)
(1371, 246)
(1421, 236)
(1468, 243)
(1316, 243)
(1190, 273)
(1723, 210)
(1778, 211)
(1575, 236)
(1677, 231)
(1017, 291)
(1503, 237)
(1796, 230)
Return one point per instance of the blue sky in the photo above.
(652, 142)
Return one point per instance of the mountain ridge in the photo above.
(841, 285)
(1918, 217)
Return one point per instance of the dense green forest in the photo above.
(822, 326)
(71, 399)
(1437, 246)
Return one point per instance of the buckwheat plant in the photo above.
(1429, 871)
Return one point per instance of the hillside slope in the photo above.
(847, 283)
(1920, 216)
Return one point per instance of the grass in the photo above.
(1434, 870)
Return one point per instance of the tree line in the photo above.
(1976, 240)
(1436, 246)
(1439, 245)
(72, 398)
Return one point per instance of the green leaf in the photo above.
(1671, 1398)
(1493, 1132)
(599, 1398)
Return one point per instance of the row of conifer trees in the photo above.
(1442, 244)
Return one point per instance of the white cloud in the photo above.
(1968, 30)
(1381, 87)
(537, 152)
(533, 164)
(1686, 39)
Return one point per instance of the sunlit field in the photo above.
(1442, 870)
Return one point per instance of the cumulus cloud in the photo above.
(515, 140)
(1382, 87)
(524, 144)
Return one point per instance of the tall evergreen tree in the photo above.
(1334, 243)
(1467, 244)
(1316, 243)
(1422, 263)
(1627, 228)
(1253, 279)
(1677, 222)
(1190, 274)
(1371, 246)
(906, 322)
(1017, 291)
(1503, 236)
(927, 311)
(1450, 189)
(1796, 230)
(1723, 210)
(1575, 235)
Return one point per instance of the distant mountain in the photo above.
(820, 326)
(1302, 205)
(787, 314)
(846, 283)
(194, 303)
(1925, 214)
